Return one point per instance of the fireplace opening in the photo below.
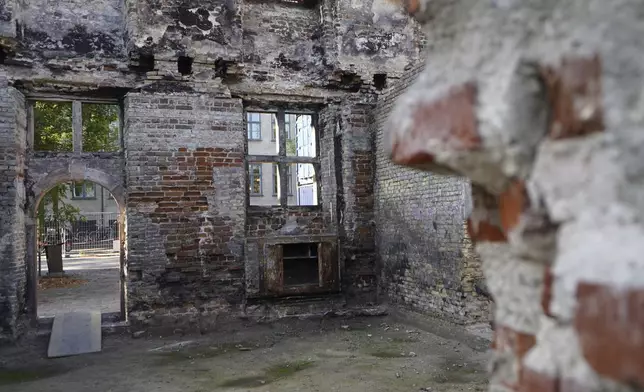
(301, 264)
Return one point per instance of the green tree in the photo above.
(53, 126)
(53, 131)
(100, 127)
(291, 147)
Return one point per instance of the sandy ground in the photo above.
(101, 292)
(368, 354)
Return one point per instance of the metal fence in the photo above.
(96, 231)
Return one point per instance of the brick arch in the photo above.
(76, 172)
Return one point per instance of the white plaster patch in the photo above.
(600, 248)
(578, 174)
(515, 284)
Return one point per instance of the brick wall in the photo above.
(13, 273)
(357, 225)
(186, 209)
(424, 252)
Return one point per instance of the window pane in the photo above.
(301, 132)
(100, 127)
(53, 126)
(78, 189)
(260, 132)
(303, 186)
(255, 179)
(260, 180)
(90, 189)
(274, 128)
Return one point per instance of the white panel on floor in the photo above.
(75, 333)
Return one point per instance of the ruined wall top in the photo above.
(257, 45)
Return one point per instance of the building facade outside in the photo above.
(263, 139)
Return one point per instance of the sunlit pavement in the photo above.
(100, 293)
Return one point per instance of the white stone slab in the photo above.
(75, 333)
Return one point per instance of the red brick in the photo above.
(485, 232)
(450, 121)
(610, 325)
(412, 6)
(531, 381)
(518, 343)
(546, 294)
(505, 338)
(575, 97)
(512, 202)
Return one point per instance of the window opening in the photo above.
(295, 165)
(184, 65)
(84, 190)
(75, 126)
(304, 178)
(100, 128)
(52, 122)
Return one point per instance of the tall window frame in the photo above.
(281, 159)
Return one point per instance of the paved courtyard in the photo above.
(101, 292)
(376, 354)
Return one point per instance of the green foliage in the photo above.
(53, 126)
(291, 147)
(60, 212)
(100, 127)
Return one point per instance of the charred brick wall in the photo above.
(182, 175)
(186, 209)
(357, 225)
(13, 274)
(424, 252)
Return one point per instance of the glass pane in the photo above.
(303, 186)
(100, 127)
(78, 189)
(260, 184)
(53, 126)
(300, 132)
(90, 190)
(261, 129)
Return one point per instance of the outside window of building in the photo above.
(254, 124)
(83, 190)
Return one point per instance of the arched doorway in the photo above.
(91, 234)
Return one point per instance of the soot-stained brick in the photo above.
(197, 18)
(421, 238)
(84, 42)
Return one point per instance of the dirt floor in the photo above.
(364, 354)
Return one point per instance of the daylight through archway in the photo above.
(78, 250)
